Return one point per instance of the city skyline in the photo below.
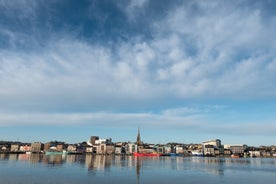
(182, 71)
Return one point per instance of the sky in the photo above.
(182, 71)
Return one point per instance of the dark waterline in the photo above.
(42, 169)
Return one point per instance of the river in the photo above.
(42, 169)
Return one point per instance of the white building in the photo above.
(179, 149)
(255, 153)
(236, 148)
(14, 148)
(118, 150)
(103, 141)
(131, 148)
(212, 147)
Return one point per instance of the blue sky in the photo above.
(184, 71)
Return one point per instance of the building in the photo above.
(36, 147)
(4, 148)
(159, 149)
(60, 147)
(265, 153)
(72, 148)
(236, 149)
(14, 147)
(110, 149)
(25, 148)
(118, 150)
(255, 153)
(167, 149)
(93, 139)
(212, 147)
(227, 152)
(47, 146)
(179, 149)
(103, 141)
(215, 142)
(101, 149)
(131, 148)
(89, 149)
(209, 150)
(101, 146)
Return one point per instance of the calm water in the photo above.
(43, 169)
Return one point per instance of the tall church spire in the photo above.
(138, 139)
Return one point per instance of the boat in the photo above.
(197, 154)
(146, 154)
(175, 154)
(54, 152)
(235, 156)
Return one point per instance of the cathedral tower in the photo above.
(138, 139)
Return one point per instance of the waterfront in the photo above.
(35, 168)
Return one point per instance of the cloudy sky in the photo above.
(184, 71)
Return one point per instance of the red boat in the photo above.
(146, 154)
(235, 156)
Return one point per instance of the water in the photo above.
(42, 169)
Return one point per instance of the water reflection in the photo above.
(98, 163)
(138, 167)
(102, 162)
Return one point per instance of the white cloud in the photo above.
(228, 53)
(196, 120)
(200, 51)
(232, 45)
(96, 118)
(77, 71)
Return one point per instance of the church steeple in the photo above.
(138, 139)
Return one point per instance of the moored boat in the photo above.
(54, 152)
(175, 154)
(235, 156)
(196, 153)
(171, 154)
